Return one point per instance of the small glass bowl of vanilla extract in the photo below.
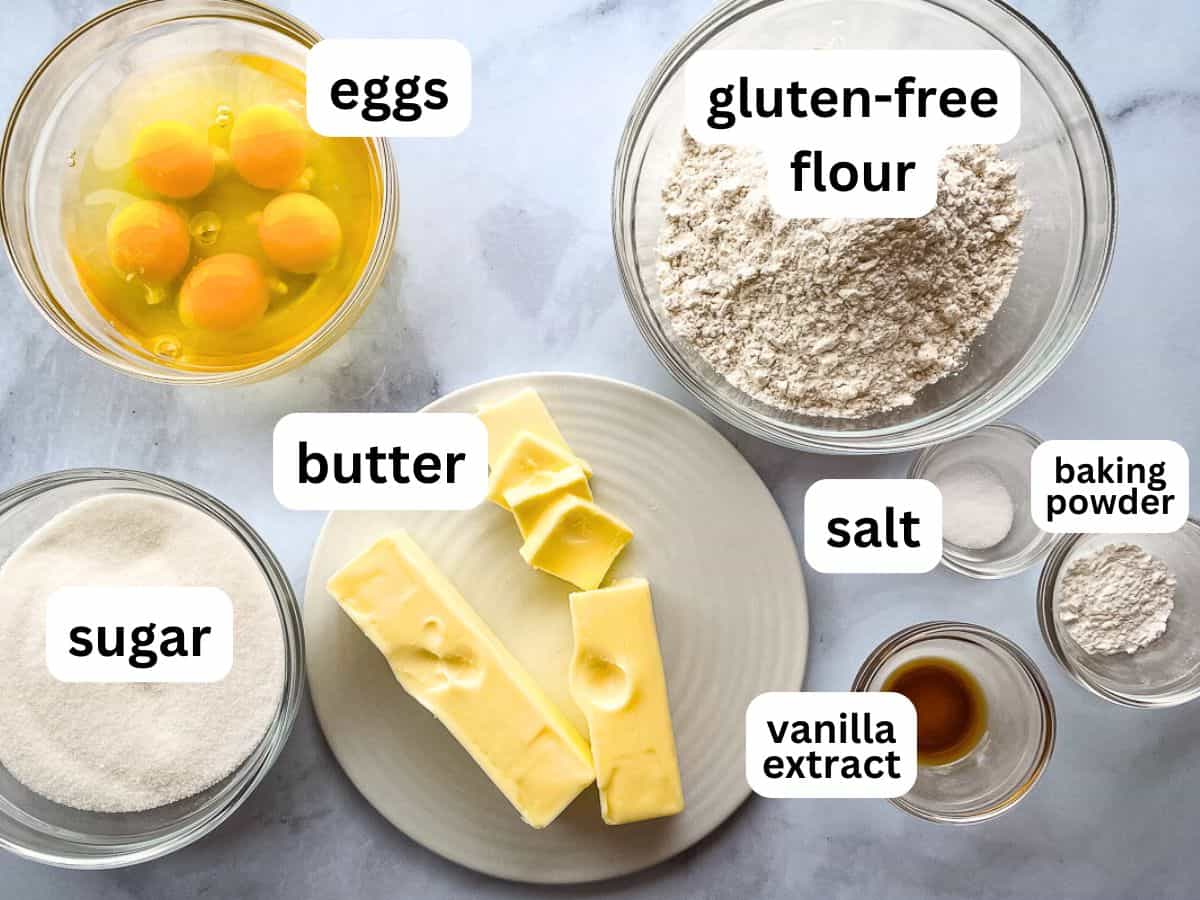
(985, 718)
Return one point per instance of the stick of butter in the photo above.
(530, 499)
(523, 411)
(447, 657)
(528, 455)
(618, 681)
(577, 541)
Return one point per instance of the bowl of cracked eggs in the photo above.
(167, 207)
(866, 335)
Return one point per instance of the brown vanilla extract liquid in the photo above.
(951, 708)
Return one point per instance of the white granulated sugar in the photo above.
(1116, 599)
(128, 747)
(977, 510)
(835, 318)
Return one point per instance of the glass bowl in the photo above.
(1066, 172)
(1005, 450)
(1017, 743)
(75, 79)
(41, 830)
(1165, 672)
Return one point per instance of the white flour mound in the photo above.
(1117, 599)
(129, 747)
(837, 317)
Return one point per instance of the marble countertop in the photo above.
(505, 232)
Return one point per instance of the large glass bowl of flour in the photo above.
(1065, 173)
(55, 833)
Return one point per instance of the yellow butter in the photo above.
(523, 411)
(447, 657)
(577, 541)
(528, 455)
(530, 499)
(618, 682)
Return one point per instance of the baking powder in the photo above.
(1116, 599)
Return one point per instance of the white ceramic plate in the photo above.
(728, 598)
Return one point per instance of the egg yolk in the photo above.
(299, 233)
(148, 239)
(226, 292)
(172, 159)
(267, 147)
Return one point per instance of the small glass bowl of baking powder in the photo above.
(1018, 735)
(39, 829)
(1165, 672)
(984, 480)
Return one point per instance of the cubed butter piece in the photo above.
(577, 541)
(528, 455)
(618, 682)
(530, 499)
(523, 411)
(447, 657)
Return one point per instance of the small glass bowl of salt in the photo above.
(987, 530)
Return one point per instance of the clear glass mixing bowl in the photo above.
(1066, 171)
(39, 829)
(78, 77)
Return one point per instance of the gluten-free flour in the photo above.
(128, 747)
(834, 317)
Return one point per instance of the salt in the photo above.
(977, 510)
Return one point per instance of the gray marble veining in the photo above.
(504, 265)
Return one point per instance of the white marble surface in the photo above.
(506, 265)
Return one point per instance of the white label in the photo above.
(1109, 487)
(374, 87)
(420, 461)
(853, 133)
(831, 745)
(873, 525)
(139, 634)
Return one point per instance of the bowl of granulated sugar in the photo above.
(109, 773)
(864, 335)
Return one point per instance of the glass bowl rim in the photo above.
(978, 633)
(36, 290)
(1059, 554)
(251, 771)
(938, 427)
